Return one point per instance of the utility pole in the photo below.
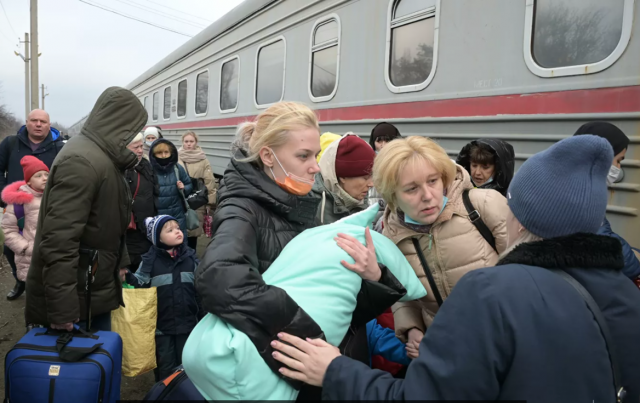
(27, 91)
(43, 95)
(34, 55)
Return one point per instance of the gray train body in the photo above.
(526, 71)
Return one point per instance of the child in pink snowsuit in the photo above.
(20, 220)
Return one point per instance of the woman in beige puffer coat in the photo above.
(195, 162)
(424, 190)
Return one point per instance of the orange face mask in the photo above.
(292, 184)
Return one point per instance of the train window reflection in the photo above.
(202, 92)
(325, 58)
(412, 42)
(182, 99)
(270, 70)
(576, 32)
(156, 104)
(166, 112)
(229, 85)
(323, 76)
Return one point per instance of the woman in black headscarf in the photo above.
(382, 134)
(490, 163)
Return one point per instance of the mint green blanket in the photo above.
(224, 364)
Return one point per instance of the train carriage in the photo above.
(526, 71)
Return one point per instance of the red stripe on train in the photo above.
(603, 100)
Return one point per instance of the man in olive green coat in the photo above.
(86, 207)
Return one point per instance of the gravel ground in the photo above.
(12, 328)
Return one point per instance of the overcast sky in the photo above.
(86, 49)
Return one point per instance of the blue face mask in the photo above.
(149, 142)
(409, 220)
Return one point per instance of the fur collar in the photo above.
(586, 251)
(18, 193)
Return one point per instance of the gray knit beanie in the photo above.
(563, 190)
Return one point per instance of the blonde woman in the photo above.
(264, 203)
(193, 160)
(424, 191)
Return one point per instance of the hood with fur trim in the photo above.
(19, 193)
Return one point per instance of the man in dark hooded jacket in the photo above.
(86, 207)
(501, 163)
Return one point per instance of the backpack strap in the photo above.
(604, 329)
(427, 272)
(476, 220)
(18, 210)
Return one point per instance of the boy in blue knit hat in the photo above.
(169, 265)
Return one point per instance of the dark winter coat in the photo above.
(631, 263)
(13, 148)
(254, 221)
(504, 158)
(170, 201)
(143, 206)
(86, 205)
(173, 277)
(520, 332)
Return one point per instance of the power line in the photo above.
(161, 13)
(170, 8)
(9, 21)
(135, 19)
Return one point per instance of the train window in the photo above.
(166, 111)
(412, 44)
(182, 99)
(145, 103)
(229, 85)
(270, 69)
(571, 37)
(202, 92)
(156, 102)
(325, 59)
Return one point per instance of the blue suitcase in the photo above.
(176, 387)
(54, 366)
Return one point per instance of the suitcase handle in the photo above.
(73, 354)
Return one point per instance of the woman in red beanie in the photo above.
(344, 179)
(20, 221)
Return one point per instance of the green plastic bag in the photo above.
(224, 364)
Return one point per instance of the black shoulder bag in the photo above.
(476, 220)
(427, 272)
(604, 329)
(200, 194)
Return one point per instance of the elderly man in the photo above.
(84, 215)
(36, 138)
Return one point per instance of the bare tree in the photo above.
(8, 123)
(409, 70)
(566, 36)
